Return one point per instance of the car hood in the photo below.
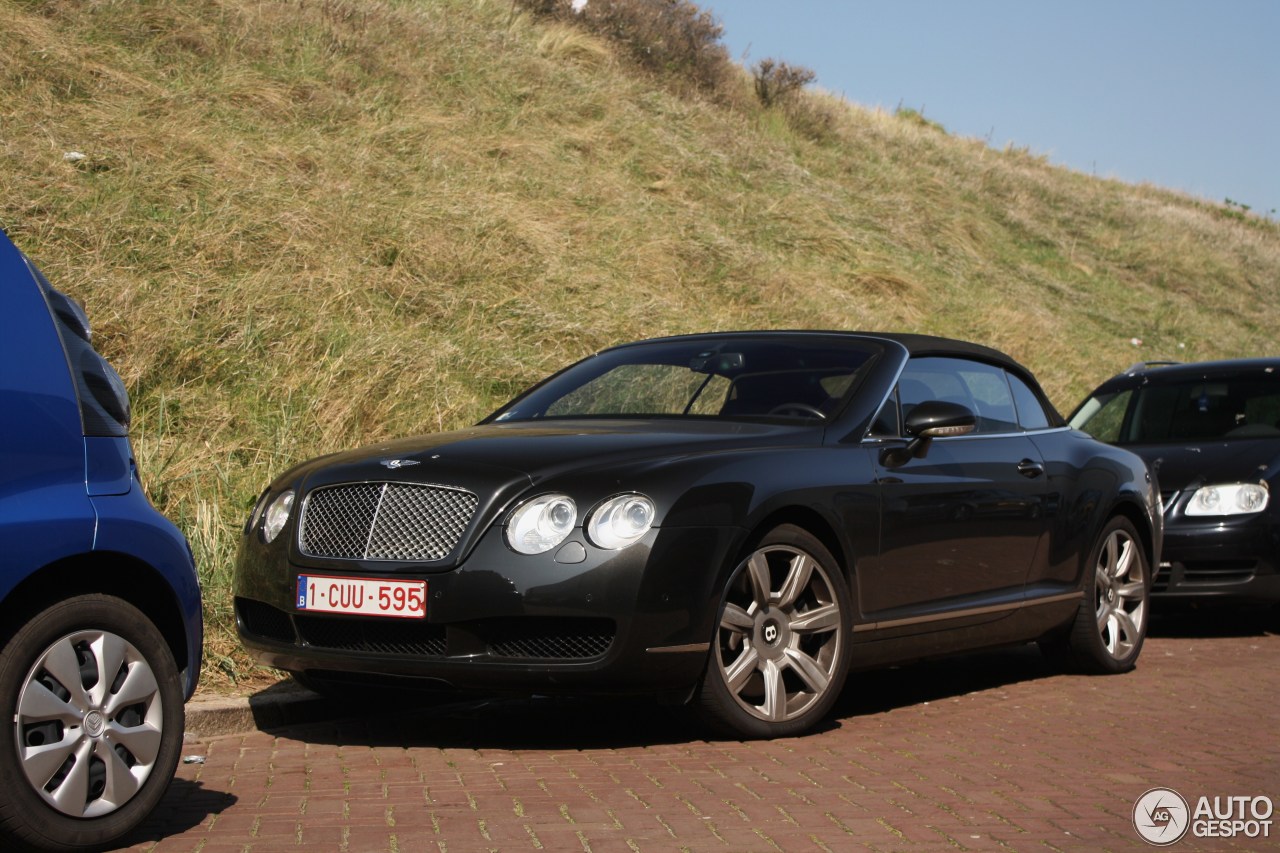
(485, 457)
(1179, 466)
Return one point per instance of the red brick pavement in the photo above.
(986, 752)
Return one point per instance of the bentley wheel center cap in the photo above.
(770, 632)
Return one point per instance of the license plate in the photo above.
(364, 596)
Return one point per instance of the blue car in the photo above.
(100, 621)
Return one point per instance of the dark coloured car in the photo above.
(732, 520)
(1211, 432)
(100, 625)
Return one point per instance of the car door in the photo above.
(960, 524)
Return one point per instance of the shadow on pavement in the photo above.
(184, 806)
(584, 722)
(1213, 620)
(879, 690)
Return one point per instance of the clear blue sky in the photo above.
(1174, 92)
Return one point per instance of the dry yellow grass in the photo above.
(306, 225)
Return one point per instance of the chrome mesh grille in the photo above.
(385, 521)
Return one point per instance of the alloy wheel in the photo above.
(1120, 591)
(779, 643)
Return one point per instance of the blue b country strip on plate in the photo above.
(391, 597)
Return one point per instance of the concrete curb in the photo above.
(282, 704)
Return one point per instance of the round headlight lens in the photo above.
(277, 515)
(619, 521)
(1229, 499)
(541, 524)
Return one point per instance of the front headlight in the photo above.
(619, 521)
(277, 515)
(256, 515)
(541, 524)
(1229, 499)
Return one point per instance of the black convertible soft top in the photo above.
(915, 344)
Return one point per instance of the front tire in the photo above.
(780, 653)
(92, 727)
(1111, 624)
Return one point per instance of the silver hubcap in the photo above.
(1121, 595)
(779, 640)
(88, 723)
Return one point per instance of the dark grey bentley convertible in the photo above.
(732, 520)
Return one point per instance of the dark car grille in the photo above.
(562, 639)
(384, 638)
(1203, 573)
(385, 521)
(516, 638)
(263, 620)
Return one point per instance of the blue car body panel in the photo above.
(69, 497)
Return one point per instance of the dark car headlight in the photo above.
(277, 516)
(540, 524)
(619, 521)
(1229, 499)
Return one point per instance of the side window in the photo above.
(980, 388)
(1031, 413)
(1102, 417)
(885, 424)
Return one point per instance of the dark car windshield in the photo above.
(1197, 408)
(805, 378)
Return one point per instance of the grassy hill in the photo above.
(302, 225)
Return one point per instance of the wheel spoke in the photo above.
(1131, 591)
(813, 675)
(121, 783)
(816, 621)
(143, 741)
(737, 673)
(41, 762)
(109, 652)
(797, 580)
(1104, 614)
(736, 619)
(758, 569)
(1112, 632)
(1107, 562)
(775, 692)
(72, 795)
(139, 686)
(38, 703)
(1128, 629)
(62, 663)
(1125, 560)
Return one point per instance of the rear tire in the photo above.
(1111, 624)
(92, 725)
(780, 653)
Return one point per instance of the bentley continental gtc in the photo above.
(734, 521)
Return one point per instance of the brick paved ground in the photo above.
(985, 752)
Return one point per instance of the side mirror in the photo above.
(927, 421)
(935, 419)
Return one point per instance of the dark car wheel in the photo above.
(1111, 624)
(93, 724)
(779, 657)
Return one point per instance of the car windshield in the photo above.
(800, 378)
(1195, 409)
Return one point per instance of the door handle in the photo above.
(1029, 468)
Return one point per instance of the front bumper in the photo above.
(1234, 559)
(635, 620)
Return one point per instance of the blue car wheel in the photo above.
(93, 699)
